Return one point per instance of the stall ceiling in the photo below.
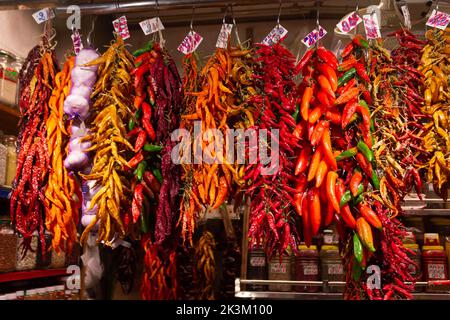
(179, 12)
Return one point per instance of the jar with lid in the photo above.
(11, 159)
(58, 260)
(10, 67)
(27, 261)
(20, 295)
(44, 257)
(8, 244)
(280, 271)
(306, 268)
(434, 266)
(331, 267)
(415, 270)
(3, 160)
(257, 267)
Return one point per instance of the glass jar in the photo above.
(257, 267)
(44, 257)
(331, 267)
(11, 159)
(3, 160)
(307, 268)
(280, 271)
(27, 262)
(434, 266)
(10, 66)
(415, 270)
(58, 260)
(8, 244)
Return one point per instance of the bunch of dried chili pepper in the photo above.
(436, 139)
(270, 183)
(27, 204)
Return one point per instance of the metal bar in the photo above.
(134, 6)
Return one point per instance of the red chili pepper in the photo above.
(315, 161)
(152, 181)
(325, 85)
(314, 210)
(347, 113)
(351, 83)
(370, 216)
(364, 164)
(331, 190)
(304, 61)
(323, 98)
(361, 71)
(347, 64)
(319, 129)
(136, 204)
(366, 95)
(328, 151)
(299, 130)
(365, 114)
(347, 96)
(347, 50)
(354, 182)
(140, 140)
(327, 57)
(328, 219)
(302, 161)
(333, 116)
(135, 160)
(315, 114)
(306, 220)
(298, 202)
(360, 41)
(329, 72)
(304, 106)
(134, 132)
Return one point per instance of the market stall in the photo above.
(178, 150)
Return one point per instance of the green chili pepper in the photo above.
(353, 118)
(375, 180)
(347, 154)
(152, 147)
(346, 77)
(138, 64)
(365, 150)
(138, 113)
(357, 248)
(346, 197)
(141, 169)
(358, 199)
(296, 113)
(131, 124)
(361, 42)
(157, 174)
(138, 52)
(144, 225)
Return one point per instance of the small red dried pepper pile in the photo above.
(270, 185)
(27, 204)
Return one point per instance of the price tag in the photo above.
(190, 43)
(278, 268)
(406, 16)
(121, 27)
(371, 26)
(335, 269)
(310, 270)
(349, 22)
(314, 36)
(438, 20)
(152, 25)
(76, 41)
(43, 15)
(254, 261)
(225, 31)
(276, 35)
(436, 272)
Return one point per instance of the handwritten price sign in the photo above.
(407, 16)
(43, 15)
(349, 22)
(150, 26)
(438, 20)
(121, 27)
(225, 31)
(314, 36)
(190, 43)
(278, 33)
(371, 26)
(76, 41)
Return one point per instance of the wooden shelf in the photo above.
(9, 119)
(33, 274)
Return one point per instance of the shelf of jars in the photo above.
(330, 290)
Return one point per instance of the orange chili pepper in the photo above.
(325, 85)
(315, 161)
(321, 173)
(328, 71)
(328, 151)
(316, 113)
(306, 99)
(331, 190)
(222, 194)
(307, 236)
(314, 210)
(370, 216)
(346, 213)
(302, 161)
(365, 233)
(347, 96)
(354, 182)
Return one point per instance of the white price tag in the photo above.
(310, 270)
(335, 269)
(76, 41)
(314, 36)
(436, 272)
(371, 26)
(349, 22)
(225, 31)
(190, 43)
(152, 25)
(43, 15)
(278, 268)
(406, 16)
(121, 27)
(276, 35)
(438, 20)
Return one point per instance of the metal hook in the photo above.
(235, 26)
(225, 15)
(192, 19)
(279, 13)
(157, 8)
(89, 39)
